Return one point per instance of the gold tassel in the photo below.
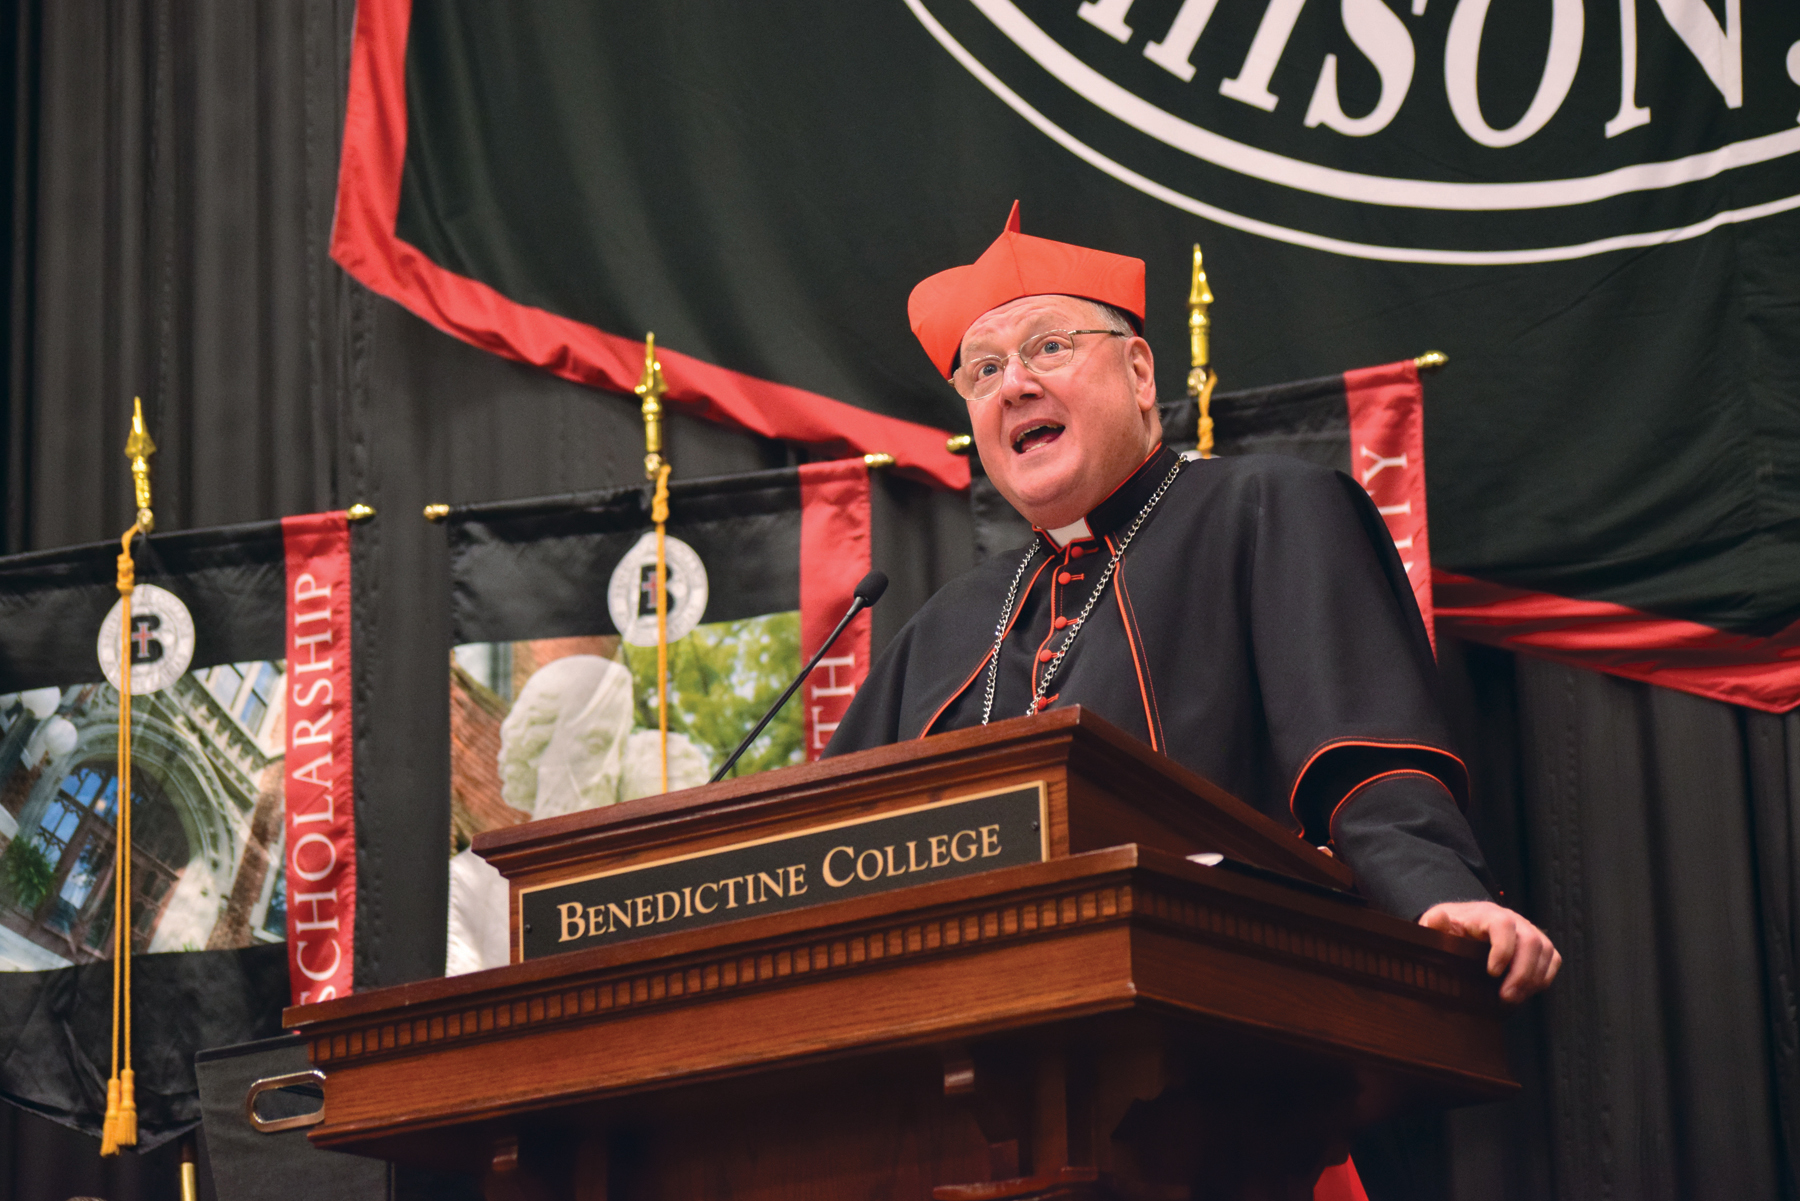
(651, 388)
(127, 1135)
(1205, 444)
(120, 1126)
(109, 1131)
(112, 1131)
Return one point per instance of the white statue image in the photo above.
(566, 745)
(568, 742)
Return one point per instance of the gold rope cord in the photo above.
(1201, 377)
(651, 388)
(120, 1128)
(659, 513)
(1205, 443)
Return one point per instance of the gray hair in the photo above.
(1108, 317)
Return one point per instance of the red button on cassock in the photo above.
(1060, 622)
(1063, 577)
(1045, 655)
(1075, 552)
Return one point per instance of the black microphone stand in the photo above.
(868, 591)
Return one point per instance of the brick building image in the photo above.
(207, 816)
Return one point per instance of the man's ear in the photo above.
(1140, 367)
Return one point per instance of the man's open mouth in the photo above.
(1036, 435)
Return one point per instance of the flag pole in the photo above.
(1201, 376)
(652, 388)
(120, 1128)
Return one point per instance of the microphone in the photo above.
(868, 591)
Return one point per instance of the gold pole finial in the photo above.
(652, 388)
(1201, 377)
(1432, 360)
(139, 448)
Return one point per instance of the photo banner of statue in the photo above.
(240, 663)
(1591, 208)
(553, 671)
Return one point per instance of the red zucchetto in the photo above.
(944, 306)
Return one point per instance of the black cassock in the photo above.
(1260, 630)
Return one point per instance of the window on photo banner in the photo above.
(206, 803)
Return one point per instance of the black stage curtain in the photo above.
(168, 195)
(1652, 834)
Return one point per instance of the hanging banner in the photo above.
(834, 557)
(320, 781)
(1386, 413)
(1370, 424)
(1592, 208)
(224, 756)
(553, 669)
(208, 749)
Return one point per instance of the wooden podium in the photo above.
(1099, 1017)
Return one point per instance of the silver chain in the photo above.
(1012, 593)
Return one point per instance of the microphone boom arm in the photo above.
(863, 601)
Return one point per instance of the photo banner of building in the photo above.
(553, 688)
(242, 804)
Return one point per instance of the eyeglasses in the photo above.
(1039, 354)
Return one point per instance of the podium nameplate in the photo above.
(942, 840)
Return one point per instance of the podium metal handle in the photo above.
(269, 1084)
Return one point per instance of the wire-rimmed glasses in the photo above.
(1039, 354)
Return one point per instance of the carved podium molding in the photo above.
(1046, 1025)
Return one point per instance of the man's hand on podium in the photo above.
(1516, 944)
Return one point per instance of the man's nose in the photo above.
(1016, 381)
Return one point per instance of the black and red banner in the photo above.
(554, 698)
(1593, 212)
(320, 780)
(834, 557)
(1369, 424)
(368, 243)
(243, 809)
(553, 619)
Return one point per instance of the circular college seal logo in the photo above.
(631, 596)
(162, 640)
(1459, 132)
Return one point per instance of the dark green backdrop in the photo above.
(169, 193)
(763, 184)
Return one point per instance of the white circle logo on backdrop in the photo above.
(1312, 172)
(162, 640)
(631, 596)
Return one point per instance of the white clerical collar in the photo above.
(1075, 531)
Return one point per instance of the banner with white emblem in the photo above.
(553, 669)
(242, 805)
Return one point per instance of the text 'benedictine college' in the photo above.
(793, 871)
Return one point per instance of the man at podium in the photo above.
(1246, 616)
